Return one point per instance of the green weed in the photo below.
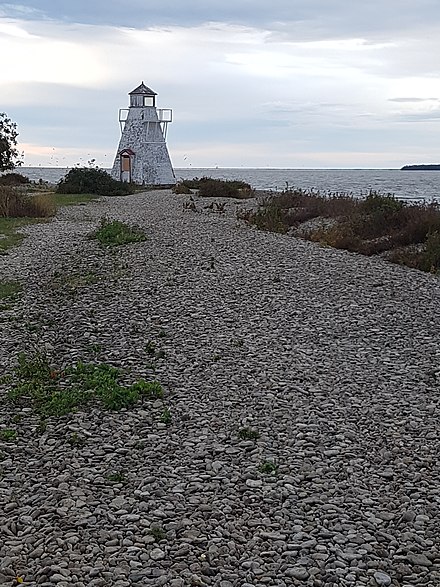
(76, 440)
(8, 435)
(114, 232)
(9, 231)
(150, 348)
(268, 468)
(56, 393)
(117, 477)
(157, 533)
(165, 417)
(248, 433)
(10, 289)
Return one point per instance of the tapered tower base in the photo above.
(142, 155)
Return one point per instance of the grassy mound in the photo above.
(406, 233)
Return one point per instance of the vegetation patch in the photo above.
(74, 199)
(268, 468)
(14, 179)
(52, 392)
(115, 232)
(8, 435)
(10, 289)
(248, 433)
(72, 281)
(208, 187)
(92, 180)
(9, 231)
(166, 417)
(117, 477)
(158, 533)
(378, 224)
(17, 204)
(425, 258)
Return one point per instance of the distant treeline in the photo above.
(434, 167)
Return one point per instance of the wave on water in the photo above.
(414, 186)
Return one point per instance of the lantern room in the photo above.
(142, 96)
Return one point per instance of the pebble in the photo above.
(382, 578)
(157, 554)
(250, 329)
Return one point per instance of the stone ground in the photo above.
(332, 358)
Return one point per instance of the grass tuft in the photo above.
(55, 393)
(10, 290)
(248, 433)
(268, 468)
(115, 232)
(8, 435)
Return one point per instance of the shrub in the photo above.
(216, 188)
(269, 217)
(379, 204)
(91, 180)
(115, 232)
(13, 179)
(426, 258)
(14, 204)
(181, 188)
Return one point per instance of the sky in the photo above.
(252, 83)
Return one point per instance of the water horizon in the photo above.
(421, 186)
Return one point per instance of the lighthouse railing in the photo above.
(123, 114)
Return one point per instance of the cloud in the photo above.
(251, 75)
(410, 100)
(46, 56)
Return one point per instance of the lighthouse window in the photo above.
(148, 100)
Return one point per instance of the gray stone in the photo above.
(382, 578)
(157, 554)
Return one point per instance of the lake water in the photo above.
(407, 185)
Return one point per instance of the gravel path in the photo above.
(331, 358)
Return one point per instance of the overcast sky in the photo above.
(252, 83)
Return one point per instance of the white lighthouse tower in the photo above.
(142, 155)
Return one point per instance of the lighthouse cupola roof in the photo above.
(144, 90)
(142, 96)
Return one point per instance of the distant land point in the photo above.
(433, 167)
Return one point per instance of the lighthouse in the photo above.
(142, 155)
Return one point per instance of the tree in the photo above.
(9, 155)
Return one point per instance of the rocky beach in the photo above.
(297, 441)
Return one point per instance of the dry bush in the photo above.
(374, 225)
(14, 204)
(293, 207)
(269, 217)
(339, 236)
(425, 258)
(181, 188)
